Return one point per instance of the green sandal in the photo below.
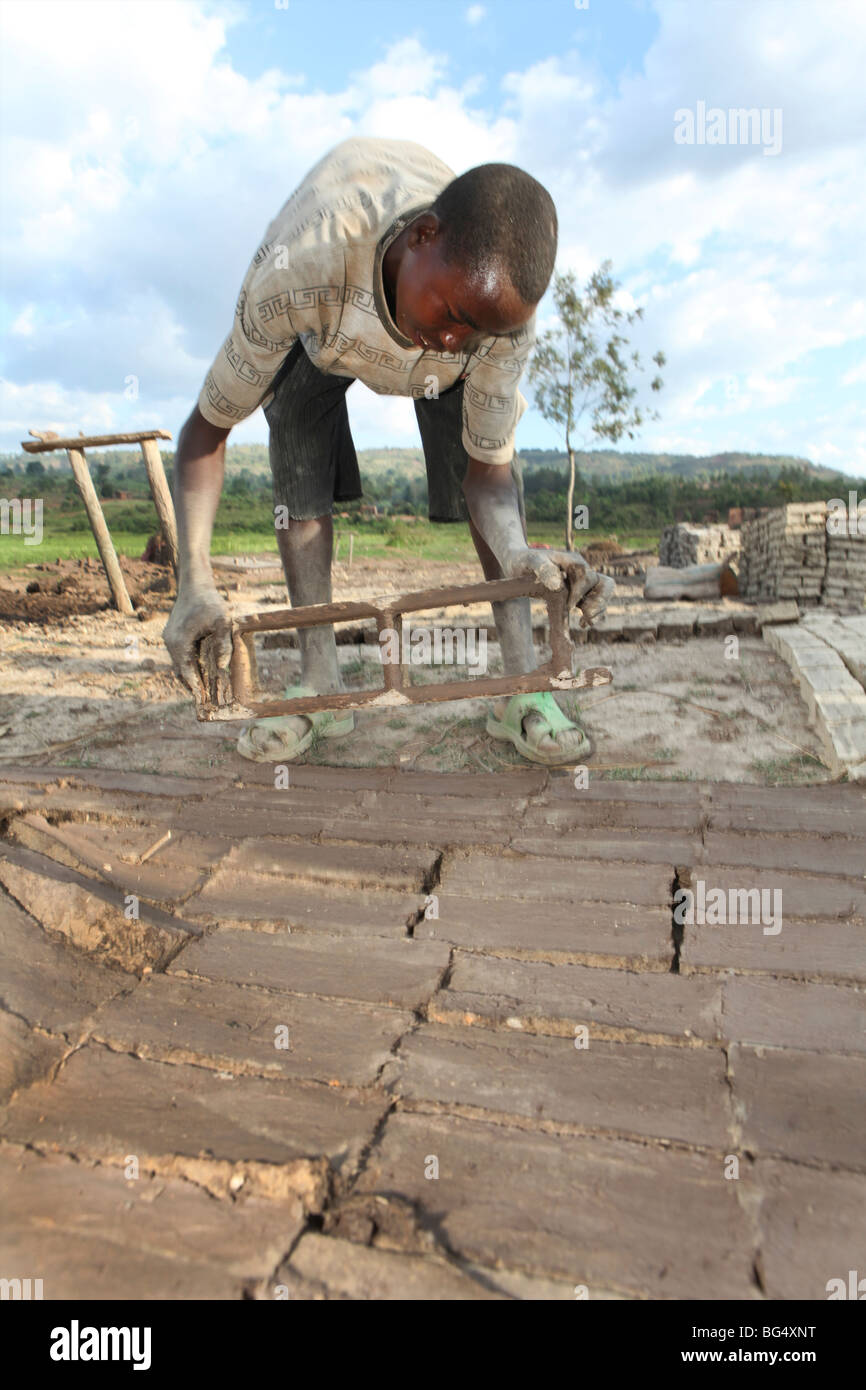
(270, 741)
(510, 727)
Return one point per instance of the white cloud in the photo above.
(856, 375)
(475, 14)
(136, 192)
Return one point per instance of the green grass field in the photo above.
(373, 540)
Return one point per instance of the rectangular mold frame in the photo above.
(555, 674)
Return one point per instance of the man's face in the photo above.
(439, 308)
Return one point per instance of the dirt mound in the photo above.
(44, 593)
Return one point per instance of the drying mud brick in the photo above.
(822, 810)
(322, 1267)
(91, 915)
(402, 974)
(781, 1013)
(349, 867)
(768, 1089)
(191, 1122)
(232, 1028)
(627, 1088)
(625, 1004)
(616, 844)
(68, 1221)
(262, 901)
(615, 1215)
(588, 933)
(803, 950)
(489, 876)
(814, 854)
(798, 1257)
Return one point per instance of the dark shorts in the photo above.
(312, 454)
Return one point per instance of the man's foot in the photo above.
(539, 730)
(286, 736)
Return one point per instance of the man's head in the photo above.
(477, 263)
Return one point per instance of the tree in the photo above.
(586, 373)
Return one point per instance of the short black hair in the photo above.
(499, 213)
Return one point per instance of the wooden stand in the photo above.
(48, 440)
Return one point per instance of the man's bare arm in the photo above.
(492, 500)
(199, 610)
(199, 467)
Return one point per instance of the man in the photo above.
(384, 267)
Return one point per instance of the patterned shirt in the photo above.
(317, 277)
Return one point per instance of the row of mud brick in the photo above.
(383, 1035)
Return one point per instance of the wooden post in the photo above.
(107, 552)
(351, 545)
(161, 496)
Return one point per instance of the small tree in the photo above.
(585, 373)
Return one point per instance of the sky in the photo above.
(146, 144)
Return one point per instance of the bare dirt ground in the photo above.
(83, 686)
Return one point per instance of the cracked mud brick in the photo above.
(553, 999)
(104, 1105)
(626, 1217)
(400, 973)
(770, 1090)
(88, 1233)
(91, 915)
(812, 1228)
(46, 981)
(662, 1092)
(97, 850)
(235, 1028)
(25, 1056)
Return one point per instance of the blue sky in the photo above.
(146, 144)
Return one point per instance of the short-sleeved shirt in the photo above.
(317, 278)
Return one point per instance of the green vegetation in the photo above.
(633, 507)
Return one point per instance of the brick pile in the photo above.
(845, 575)
(784, 554)
(683, 545)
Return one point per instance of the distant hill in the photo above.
(407, 465)
(608, 465)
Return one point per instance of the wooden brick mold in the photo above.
(555, 674)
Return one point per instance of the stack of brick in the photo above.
(784, 554)
(684, 545)
(845, 575)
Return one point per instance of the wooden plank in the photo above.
(47, 441)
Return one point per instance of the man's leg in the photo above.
(513, 619)
(313, 462)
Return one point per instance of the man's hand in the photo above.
(198, 614)
(587, 590)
